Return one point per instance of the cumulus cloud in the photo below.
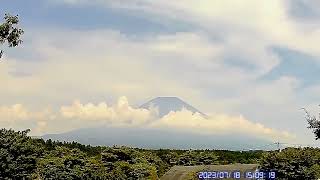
(120, 113)
(219, 124)
(20, 117)
(123, 114)
(14, 113)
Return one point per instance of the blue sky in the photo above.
(256, 60)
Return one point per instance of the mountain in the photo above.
(158, 138)
(167, 104)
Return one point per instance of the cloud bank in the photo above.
(122, 114)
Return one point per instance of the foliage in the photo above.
(169, 157)
(293, 163)
(125, 171)
(22, 157)
(18, 154)
(131, 164)
(9, 33)
(314, 123)
(192, 158)
(64, 163)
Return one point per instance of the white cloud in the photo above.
(256, 23)
(20, 117)
(98, 58)
(246, 29)
(220, 124)
(120, 113)
(80, 115)
(13, 113)
(91, 65)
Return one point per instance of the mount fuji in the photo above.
(167, 104)
(143, 137)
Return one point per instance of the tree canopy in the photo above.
(9, 32)
(18, 155)
(23, 157)
(293, 163)
(314, 123)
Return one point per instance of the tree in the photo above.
(65, 163)
(9, 33)
(293, 163)
(314, 123)
(127, 163)
(18, 154)
(189, 158)
(207, 158)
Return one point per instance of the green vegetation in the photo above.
(293, 163)
(18, 155)
(9, 32)
(23, 157)
(314, 123)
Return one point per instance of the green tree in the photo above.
(114, 154)
(65, 163)
(143, 171)
(170, 157)
(131, 164)
(138, 171)
(207, 158)
(18, 154)
(293, 163)
(189, 158)
(9, 32)
(314, 124)
(151, 158)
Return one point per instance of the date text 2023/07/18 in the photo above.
(237, 175)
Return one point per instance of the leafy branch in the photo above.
(9, 32)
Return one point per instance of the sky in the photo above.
(251, 65)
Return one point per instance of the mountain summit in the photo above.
(167, 104)
(167, 138)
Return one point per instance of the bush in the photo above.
(293, 163)
(64, 163)
(18, 154)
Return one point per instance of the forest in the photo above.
(24, 157)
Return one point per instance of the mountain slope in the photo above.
(157, 138)
(167, 104)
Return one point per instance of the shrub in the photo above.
(293, 163)
(18, 154)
